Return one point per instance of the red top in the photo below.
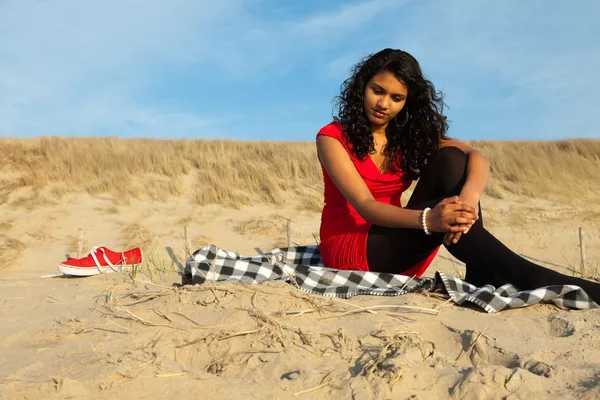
(343, 231)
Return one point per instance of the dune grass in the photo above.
(221, 172)
(561, 170)
(234, 173)
(11, 250)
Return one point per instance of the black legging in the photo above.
(488, 261)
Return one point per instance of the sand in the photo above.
(113, 336)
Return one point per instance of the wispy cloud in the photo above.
(515, 69)
(194, 67)
(72, 67)
(339, 67)
(75, 67)
(348, 17)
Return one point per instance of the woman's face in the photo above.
(384, 97)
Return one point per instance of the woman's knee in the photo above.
(450, 165)
(449, 156)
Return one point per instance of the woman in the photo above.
(388, 132)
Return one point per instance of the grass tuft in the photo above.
(10, 250)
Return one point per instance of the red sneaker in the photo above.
(101, 261)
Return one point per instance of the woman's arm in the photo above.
(343, 173)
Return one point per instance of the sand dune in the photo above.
(136, 335)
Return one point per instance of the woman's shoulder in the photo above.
(333, 129)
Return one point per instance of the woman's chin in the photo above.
(377, 121)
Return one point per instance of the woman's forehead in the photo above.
(389, 82)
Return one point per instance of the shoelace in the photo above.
(115, 268)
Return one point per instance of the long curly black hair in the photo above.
(414, 134)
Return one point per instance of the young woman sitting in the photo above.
(390, 131)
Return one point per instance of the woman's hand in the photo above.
(451, 215)
(472, 200)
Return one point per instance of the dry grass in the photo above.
(5, 226)
(111, 210)
(10, 250)
(495, 190)
(591, 270)
(562, 170)
(387, 359)
(71, 241)
(200, 241)
(233, 173)
(34, 199)
(43, 236)
(273, 226)
(135, 235)
(266, 323)
(312, 202)
(225, 172)
(10, 185)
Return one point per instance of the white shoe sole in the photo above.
(89, 271)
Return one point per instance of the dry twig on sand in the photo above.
(382, 362)
(383, 306)
(324, 382)
(471, 346)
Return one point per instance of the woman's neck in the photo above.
(378, 130)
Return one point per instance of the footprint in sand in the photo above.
(561, 327)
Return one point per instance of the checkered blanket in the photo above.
(302, 267)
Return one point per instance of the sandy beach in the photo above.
(141, 336)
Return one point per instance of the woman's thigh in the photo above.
(395, 250)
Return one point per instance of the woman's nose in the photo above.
(383, 103)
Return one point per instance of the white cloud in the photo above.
(345, 18)
(78, 67)
(87, 67)
(530, 63)
(72, 67)
(339, 68)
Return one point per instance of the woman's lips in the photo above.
(379, 114)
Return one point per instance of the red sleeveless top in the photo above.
(343, 231)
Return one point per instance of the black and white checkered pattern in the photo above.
(493, 299)
(302, 267)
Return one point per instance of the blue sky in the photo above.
(268, 70)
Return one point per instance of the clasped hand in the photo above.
(452, 216)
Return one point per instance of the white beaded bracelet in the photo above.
(424, 220)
